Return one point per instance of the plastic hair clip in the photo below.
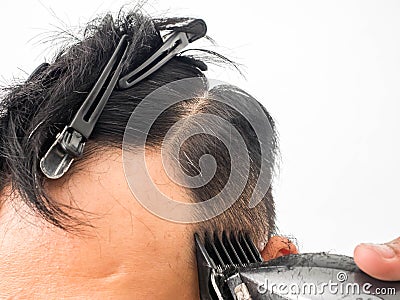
(69, 143)
(41, 68)
(173, 45)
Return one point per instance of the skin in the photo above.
(128, 254)
(381, 261)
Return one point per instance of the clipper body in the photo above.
(230, 268)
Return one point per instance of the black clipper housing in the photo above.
(230, 267)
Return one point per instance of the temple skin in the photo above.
(129, 253)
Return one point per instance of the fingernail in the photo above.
(384, 250)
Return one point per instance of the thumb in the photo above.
(381, 261)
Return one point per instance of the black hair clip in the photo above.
(41, 68)
(173, 45)
(70, 142)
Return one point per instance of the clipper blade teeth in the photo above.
(231, 249)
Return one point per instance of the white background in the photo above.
(328, 71)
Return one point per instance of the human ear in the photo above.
(278, 246)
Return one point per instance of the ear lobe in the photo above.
(278, 246)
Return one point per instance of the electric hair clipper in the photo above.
(230, 267)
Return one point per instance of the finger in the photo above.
(380, 261)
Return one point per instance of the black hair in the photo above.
(33, 112)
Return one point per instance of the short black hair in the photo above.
(33, 112)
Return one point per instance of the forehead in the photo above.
(123, 233)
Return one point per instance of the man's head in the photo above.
(86, 234)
